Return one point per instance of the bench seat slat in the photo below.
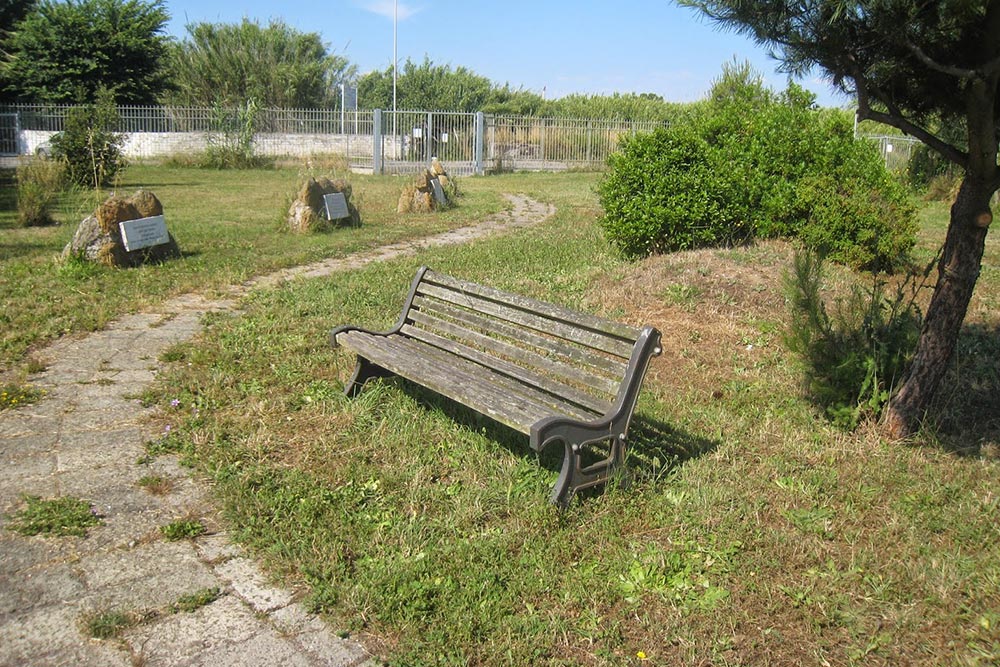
(611, 367)
(523, 375)
(457, 379)
(616, 346)
(528, 359)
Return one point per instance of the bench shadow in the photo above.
(655, 448)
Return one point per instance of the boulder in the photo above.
(418, 195)
(308, 212)
(98, 237)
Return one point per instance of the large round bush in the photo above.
(758, 165)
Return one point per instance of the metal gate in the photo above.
(405, 141)
(8, 134)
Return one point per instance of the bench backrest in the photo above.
(579, 359)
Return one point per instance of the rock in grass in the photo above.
(308, 212)
(418, 196)
(98, 238)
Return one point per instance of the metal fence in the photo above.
(896, 150)
(381, 141)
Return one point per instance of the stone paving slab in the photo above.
(84, 439)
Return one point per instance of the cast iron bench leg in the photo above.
(576, 437)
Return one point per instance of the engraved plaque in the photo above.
(438, 191)
(336, 206)
(144, 232)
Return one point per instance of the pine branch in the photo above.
(895, 118)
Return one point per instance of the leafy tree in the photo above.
(275, 65)
(909, 64)
(620, 106)
(428, 87)
(63, 52)
(11, 12)
(89, 143)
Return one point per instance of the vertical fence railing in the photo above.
(554, 144)
(380, 141)
(896, 150)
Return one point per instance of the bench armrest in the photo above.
(612, 427)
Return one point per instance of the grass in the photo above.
(745, 530)
(229, 228)
(57, 517)
(111, 623)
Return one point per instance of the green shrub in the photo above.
(854, 354)
(926, 165)
(754, 164)
(231, 145)
(851, 222)
(39, 182)
(89, 143)
(663, 194)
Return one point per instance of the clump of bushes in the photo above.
(751, 163)
(89, 143)
(38, 183)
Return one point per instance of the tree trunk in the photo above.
(958, 272)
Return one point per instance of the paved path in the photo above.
(84, 439)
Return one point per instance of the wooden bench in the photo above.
(549, 372)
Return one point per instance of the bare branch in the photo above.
(897, 120)
(959, 72)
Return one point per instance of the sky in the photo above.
(552, 47)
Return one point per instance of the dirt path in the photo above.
(84, 439)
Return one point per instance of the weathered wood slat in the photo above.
(612, 367)
(459, 380)
(525, 376)
(549, 310)
(594, 339)
(528, 359)
(532, 394)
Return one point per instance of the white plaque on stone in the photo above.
(438, 191)
(144, 232)
(336, 206)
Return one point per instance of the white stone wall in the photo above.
(165, 144)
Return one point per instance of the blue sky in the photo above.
(554, 47)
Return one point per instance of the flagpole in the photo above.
(395, 59)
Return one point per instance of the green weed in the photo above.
(155, 484)
(182, 530)
(14, 395)
(54, 516)
(197, 600)
(110, 624)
